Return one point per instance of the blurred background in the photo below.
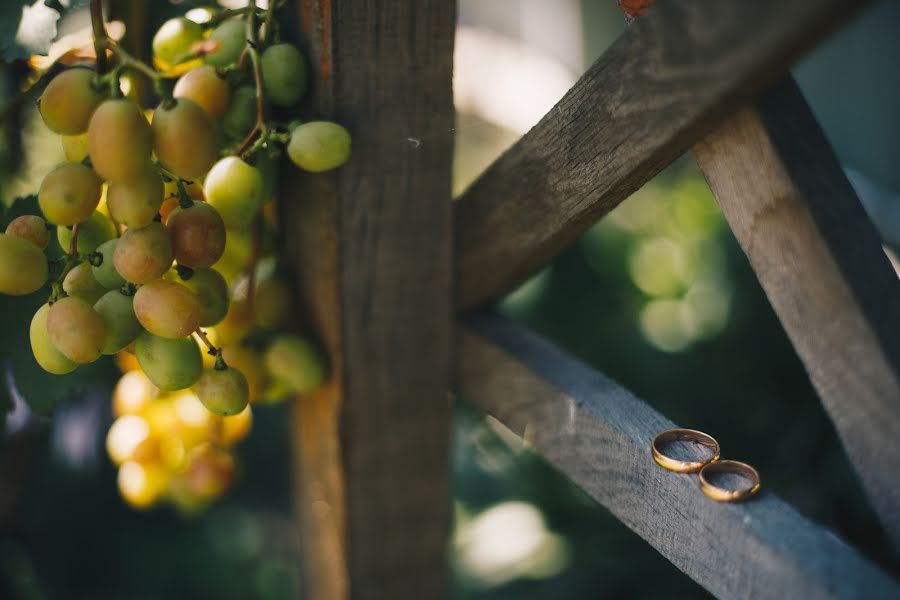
(658, 296)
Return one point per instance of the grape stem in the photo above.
(228, 13)
(213, 351)
(247, 147)
(99, 34)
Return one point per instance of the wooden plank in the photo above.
(820, 261)
(674, 75)
(371, 244)
(599, 434)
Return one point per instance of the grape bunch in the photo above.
(166, 219)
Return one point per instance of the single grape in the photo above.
(75, 147)
(167, 309)
(173, 41)
(69, 194)
(23, 266)
(76, 330)
(170, 364)
(122, 327)
(223, 391)
(240, 116)
(204, 86)
(295, 362)
(209, 472)
(249, 363)
(184, 138)
(144, 254)
(92, 232)
(31, 228)
(133, 393)
(198, 235)
(237, 322)
(69, 101)
(272, 303)
(284, 74)
(143, 484)
(235, 189)
(232, 38)
(212, 294)
(319, 146)
(106, 273)
(135, 203)
(48, 357)
(119, 140)
(130, 438)
(80, 281)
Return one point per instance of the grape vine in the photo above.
(166, 217)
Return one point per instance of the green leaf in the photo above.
(26, 27)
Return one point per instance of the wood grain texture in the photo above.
(674, 75)
(371, 245)
(820, 261)
(599, 434)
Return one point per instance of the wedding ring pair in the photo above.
(707, 466)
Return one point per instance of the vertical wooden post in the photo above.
(371, 244)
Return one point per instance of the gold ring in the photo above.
(688, 435)
(729, 466)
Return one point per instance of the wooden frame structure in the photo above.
(382, 251)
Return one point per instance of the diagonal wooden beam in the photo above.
(669, 80)
(820, 261)
(598, 434)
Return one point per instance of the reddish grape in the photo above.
(31, 228)
(144, 254)
(198, 235)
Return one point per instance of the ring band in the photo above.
(729, 466)
(687, 435)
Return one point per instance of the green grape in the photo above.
(232, 38)
(198, 235)
(250, 364)
(80, 281)
(224, 391)
(235, 189)
(135, 203)
(169, 364)
(144, 254)
(319, 146)
(240, 116)
(184, 138)
(75, 147)
(204, 86)
(272, 303)
(122, 327)
(119, 140)
(106, 274)
(69, 101)
(296, 363)
(69, 194)
(31, 228)
(173, 41)
(211, 291)
(23, 266)
(284, 74)
(167, 309)
(45, 353)
(91, 233)
(76, 330)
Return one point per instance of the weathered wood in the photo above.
(674, 75)
(599, 434)
(371, 243)
(820, 261)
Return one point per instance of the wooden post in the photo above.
(371, 245)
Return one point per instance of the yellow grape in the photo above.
(233, 429)
(170, 364)
(76, 330)
(80, 281)
(184, 138)
(130, 438)
(23, 266)
(31, 228)
(69, 194)
(133, 393)
(143, 484)
(135, 203)
(75, 147)
(167, 309)
(235, 189)
(144, 254)
(204, 86)
(69, 100)
(48, 357)
(119, 140)
(173, 41)
(209, 471)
